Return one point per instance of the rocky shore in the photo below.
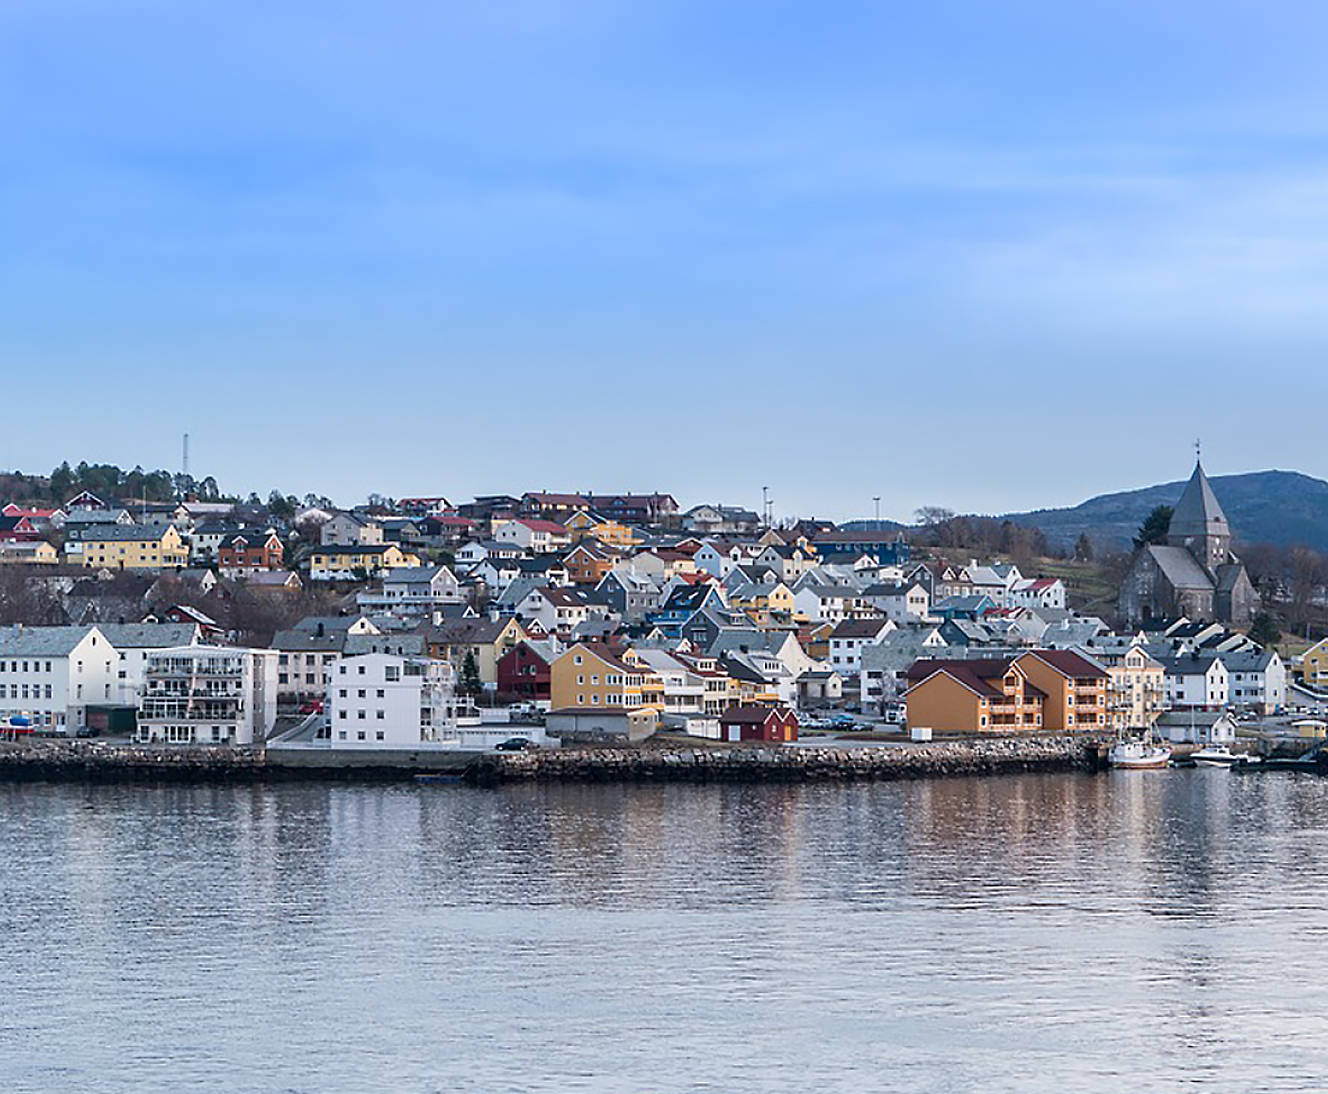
(98, 761)
(780, 764)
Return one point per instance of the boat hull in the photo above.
(1137, 756)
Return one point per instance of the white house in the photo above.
(849, 638)
(901, 603)
(538, 536)
(379, 700)
(413, 590)
(51, 675)
(1257, 678)
(1195, 681)
(350, 530)
(1038, 592)
(215, 695)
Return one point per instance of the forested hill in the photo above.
(1281, 507)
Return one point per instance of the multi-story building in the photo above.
(213, 695)
(1136, 686)
(134, 643)
(593, 674)
(355, 563)
(378, 700)
(1038, 691)
(125, 547)
(248, 553)
(50, 676)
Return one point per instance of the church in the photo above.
(1193, 573)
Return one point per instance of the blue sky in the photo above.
(987, 256)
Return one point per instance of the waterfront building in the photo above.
(214, 695)
(51, 676)
(380, 700)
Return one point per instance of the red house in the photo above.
(753, 723)
(17, 528)
(526, 672)
(250, 552)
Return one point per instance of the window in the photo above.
(380, 735)
(380, 715)
(360, 715)
(381, 693)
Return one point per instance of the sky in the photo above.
(986, 256)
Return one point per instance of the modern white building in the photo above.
(49, 676)
(213, 695)
(134, 643)
(380, 700)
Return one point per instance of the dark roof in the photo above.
(1068, 662)
(860, 628)
(753, 715)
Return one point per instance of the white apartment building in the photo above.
(380, 700)
(213, 695)
(51, 675)
(134, 643)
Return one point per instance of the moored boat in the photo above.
(1138, 755)
(1218, 756)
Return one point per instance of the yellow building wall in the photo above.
(940, 703)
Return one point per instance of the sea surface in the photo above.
(1068, 934)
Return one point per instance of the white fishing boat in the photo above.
(1138, 755)
(1216, 756)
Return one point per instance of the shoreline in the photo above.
(100, 762)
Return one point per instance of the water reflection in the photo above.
(1048, 933)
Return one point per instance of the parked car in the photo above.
(516, 744)
(313, 706)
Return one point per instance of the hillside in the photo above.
(1278, 507)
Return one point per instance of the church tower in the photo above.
(1199, 525)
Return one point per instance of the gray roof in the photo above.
(1179, 567)
(1198, 512)
(412, 575)
(23, 641)
(142, 636)
(117, 532)
(403, 645)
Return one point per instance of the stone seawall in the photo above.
(781, 764)
(97, 761)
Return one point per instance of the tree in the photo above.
(1264, 630)
(930, 515)
(471, 684)
(1083, 548)
(1155, 527)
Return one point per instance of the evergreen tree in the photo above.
(1083, 548)
(1264, 630)
(471, 684)
(1155, 527)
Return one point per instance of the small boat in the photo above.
(1138, 755)
(441, 777)
(1218, 756)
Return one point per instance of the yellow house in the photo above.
(592, 674)
(29, 552)
(1136, 687)
(1315, 664)
(126, 547)
(763, 602)
(346, 563)
(612, 533)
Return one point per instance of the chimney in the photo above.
(319, 632)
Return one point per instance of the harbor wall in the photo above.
(104, 762)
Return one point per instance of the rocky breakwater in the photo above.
(98, 761)
(775, 763)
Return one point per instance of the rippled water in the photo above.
(1137, 931)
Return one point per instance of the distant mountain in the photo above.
(1263, 507)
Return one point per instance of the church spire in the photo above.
(1198, 523)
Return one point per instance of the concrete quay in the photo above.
(100, 761)
(779, 764)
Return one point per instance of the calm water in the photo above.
(1138, 931)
